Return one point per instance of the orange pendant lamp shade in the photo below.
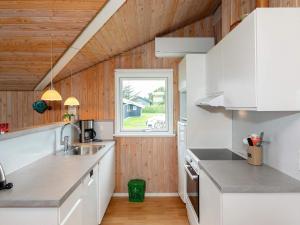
(51, 95)
(71, 101)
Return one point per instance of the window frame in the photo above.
(140, 74)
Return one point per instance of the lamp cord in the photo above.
(51, 62)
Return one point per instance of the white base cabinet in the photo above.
(218, 208)
(106, 181)
(82, 207)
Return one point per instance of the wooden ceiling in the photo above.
(135, 23)
(26, 27)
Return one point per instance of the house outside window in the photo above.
(144, 102)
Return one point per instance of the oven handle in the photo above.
(193, 177)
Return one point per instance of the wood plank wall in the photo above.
(232, 10)
(16, 109)
(153, 159)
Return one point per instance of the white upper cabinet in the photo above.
(238, 54)
(259, 62)
(214, 69)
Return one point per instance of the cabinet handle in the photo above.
(193, 177)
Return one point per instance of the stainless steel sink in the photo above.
(81, 150)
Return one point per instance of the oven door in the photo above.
(192, 188)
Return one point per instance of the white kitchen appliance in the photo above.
(180, 46)
(90, 198)
(192, 171)
(181, 152)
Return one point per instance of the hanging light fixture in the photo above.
(71, 101)
(51, 94)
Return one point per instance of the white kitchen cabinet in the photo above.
(210, 202)
(204, 126)
(106, 180)
(218, 208)
(214, 70)
(181, 152)
(74, 217)
(71, 211)
(90, 196)
(260, 60)
(238, 54)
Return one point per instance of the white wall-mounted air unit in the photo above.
(180, 46)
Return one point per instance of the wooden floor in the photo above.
(153, 211)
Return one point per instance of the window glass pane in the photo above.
(144, 104)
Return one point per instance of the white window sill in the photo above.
(132, 134)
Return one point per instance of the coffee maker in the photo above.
(87, 131)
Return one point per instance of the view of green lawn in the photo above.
(139, 122)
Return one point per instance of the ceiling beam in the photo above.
(96, 24)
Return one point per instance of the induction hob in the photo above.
(215, 154)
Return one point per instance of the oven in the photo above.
(192, 189)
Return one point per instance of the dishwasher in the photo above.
(90, 197)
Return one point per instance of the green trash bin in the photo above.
(136, 190)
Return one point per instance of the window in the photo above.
(144, 102)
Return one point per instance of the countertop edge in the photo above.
(234, 190)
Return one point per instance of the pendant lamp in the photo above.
(51, 94)
(71, 101)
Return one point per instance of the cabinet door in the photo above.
(210, 201)
(106, 181)
(74, 216)
(239, 66)
(90, 210)
(214, 71)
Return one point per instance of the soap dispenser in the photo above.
(3, 184)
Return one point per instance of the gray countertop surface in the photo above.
(237, 176)
(49, 181)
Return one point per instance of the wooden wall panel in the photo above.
(153, 159)
(16, 109)
(232, 10)
(284, 3)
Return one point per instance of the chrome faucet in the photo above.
(65, 141)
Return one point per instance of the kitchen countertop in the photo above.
(237, 176)
(48, 182)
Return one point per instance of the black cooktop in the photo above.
(216, 154)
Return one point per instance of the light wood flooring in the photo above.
(153, 211)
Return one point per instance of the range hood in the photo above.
(215, 100)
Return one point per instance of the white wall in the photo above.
(281, 128)
(18, 152)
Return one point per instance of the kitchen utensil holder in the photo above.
(254, 155)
